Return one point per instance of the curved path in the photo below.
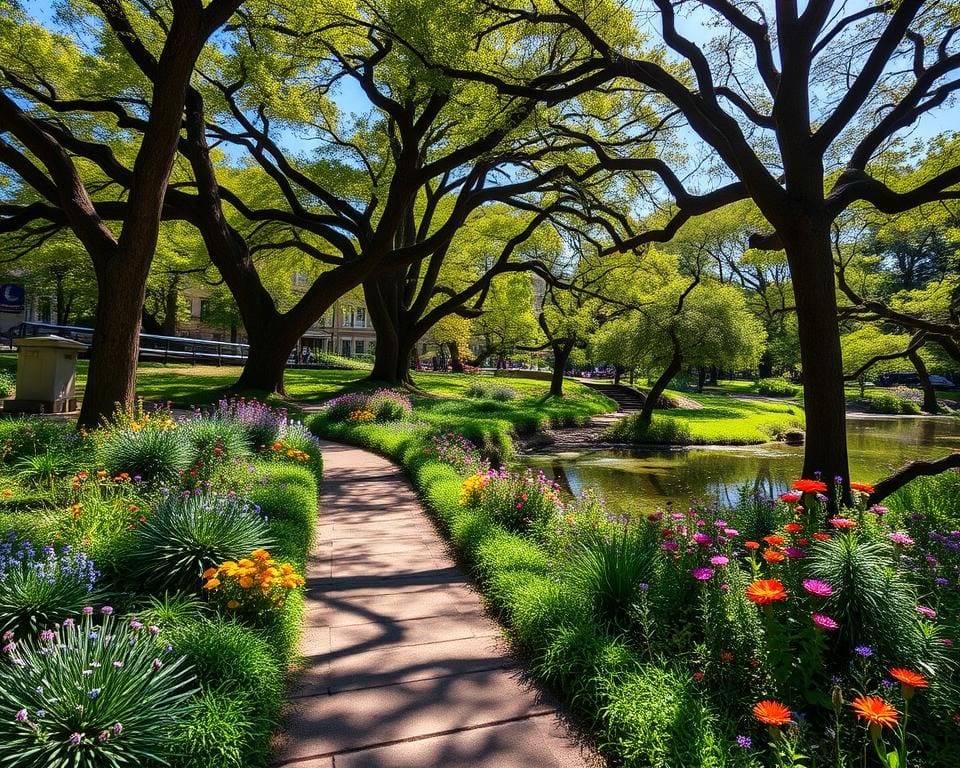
(403, 669)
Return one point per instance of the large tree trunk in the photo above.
(395, 339)
(930, 404)
(456, 364)
(561, 355)
(811, 267)
(112, 376)
(653, 396)
(270, 345)
(701, 378)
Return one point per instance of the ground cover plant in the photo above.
(151, 585)
(783, 632)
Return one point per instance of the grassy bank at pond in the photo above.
(721, 420)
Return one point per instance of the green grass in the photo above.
(721, 421)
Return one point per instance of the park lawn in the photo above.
(722, 420)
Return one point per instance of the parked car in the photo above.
(912, 380)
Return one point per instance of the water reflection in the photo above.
(629, 479)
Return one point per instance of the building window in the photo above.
(300, 279)
(345, 348)
(45, 309)
(348, 318)
(361, 318)
(204, 309)
(358, 346)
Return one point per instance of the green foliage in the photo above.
(655, 716)
(243, 691)
(887, 402)
(171, 609)
(185, 536)
(206, 435)
(777, 388)
(660, 430)
(610, 572)
(152, 454)
(7, 384)
(872, 603)
(42, 469)
(223, 730)
(937, 496)
(111, 689)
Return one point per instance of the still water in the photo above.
(632, 480)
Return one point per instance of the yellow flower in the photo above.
(260, 554)
(246, 582)
(212, 584)
(246, 563)
(286, 569)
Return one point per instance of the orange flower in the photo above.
(773, 556)
(751, 545)
(726, 656)
(766, 591)
(212, 584)
(773, 541)
(772, 713)
(862, 487)
(909, 681)
(809, 486)
(793, 527)
(209, 573)
(233, 605)
(875, 711)
(821, 536)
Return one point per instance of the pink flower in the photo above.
(670, 546)
(822, 621)
(928, 612)
(817, 588)
(719, 560)
(701, 538)
(794, 552)
(702, 574)
(900, 538)
(731, 532)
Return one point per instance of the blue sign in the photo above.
(12, 298)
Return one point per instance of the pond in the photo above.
(633, 479)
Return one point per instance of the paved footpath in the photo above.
(403, 669)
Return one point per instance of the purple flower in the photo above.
(794, 553)
(94, 693)
(900, 538)
(157, 663)
(21, 716)
(670, 546)
(702, 574)
(117, 729)
(864, 651)
(702, 538)
(744, 742)
(878, 510)
(928, 612)
(75, 739)
(106, 610)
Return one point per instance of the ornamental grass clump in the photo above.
(252, 587)
(87, 695)
(40, 587)
(154, 454)
(384, 404)
(194, 531)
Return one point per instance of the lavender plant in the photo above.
(41, 587)
(385, 404)
(83, 695)
(262, 422)
(458, 452)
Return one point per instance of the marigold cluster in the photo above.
(281, 449)
(258, 573)
(361, 416)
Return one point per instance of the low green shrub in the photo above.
(888, 402)
(222, 729)
(43, 469)
(777, 388)
(41, 588)
(937, 497)
(150, 454)
(661, 430)
(187, 535)
(89, 696)
(8, 384)
(216, 441)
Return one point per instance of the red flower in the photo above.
(793, 527)
(821, 536)
(751, 545)
(862, 487)
(772, 713)
(773, 541)
(791, 498)
(809, 486)
(766, 591)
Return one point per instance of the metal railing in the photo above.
(152, 347)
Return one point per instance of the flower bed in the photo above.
(150, 586)
(777, 633)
